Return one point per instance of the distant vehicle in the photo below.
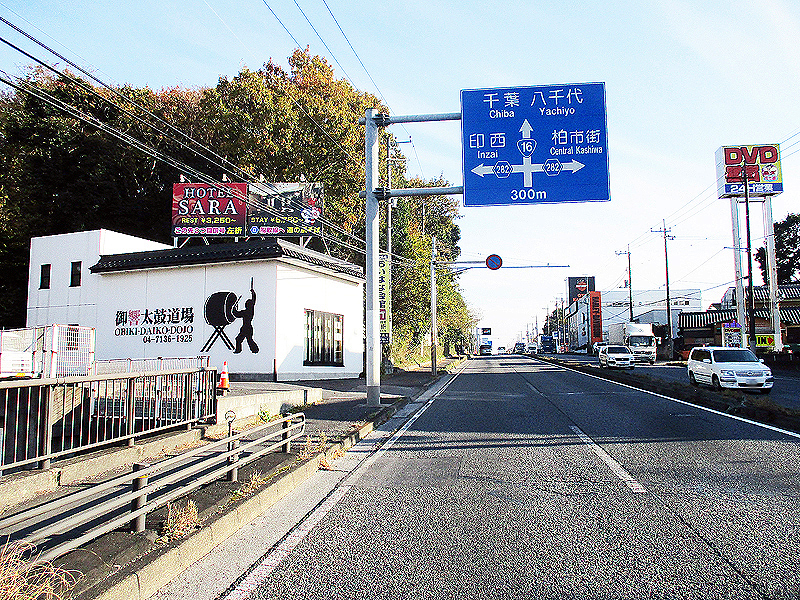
(519, 348)
(501, 349)
(638, 337)
(612, 356)
(722, 367)
(547, 344)
(485, 349)
(532, 349)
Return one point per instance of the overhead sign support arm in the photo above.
(372, 121)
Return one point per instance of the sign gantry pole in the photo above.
(373, 346)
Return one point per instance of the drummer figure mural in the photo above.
(246, 331)
(222, 310)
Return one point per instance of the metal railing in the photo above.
(44, 419)
(149, 488)
(129, 365)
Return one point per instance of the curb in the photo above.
(141, 583)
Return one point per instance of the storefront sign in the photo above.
(284, 209)
(761, 165)
(156, 325)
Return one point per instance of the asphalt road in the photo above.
(785, 392)
(524, 480)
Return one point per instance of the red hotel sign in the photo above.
(209, 210)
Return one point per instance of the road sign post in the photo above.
(533, 145)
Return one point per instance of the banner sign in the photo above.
(595, 317)
(209, 209)
(760, 164)
(385, 297)
(246, 209)
(284, 209)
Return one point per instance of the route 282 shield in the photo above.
(534, 145)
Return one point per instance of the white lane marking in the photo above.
(284, 548)
(615, 467)
(793, 434)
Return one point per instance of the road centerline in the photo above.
(612, 464)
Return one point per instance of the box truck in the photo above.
(638, 337)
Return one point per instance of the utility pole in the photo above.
(434, 335)
(630, 282)
(665, 231)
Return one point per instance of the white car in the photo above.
(620, 357)
(722, 367)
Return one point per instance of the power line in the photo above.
(333, 56)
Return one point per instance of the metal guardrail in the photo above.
(44, 419)
(128, 365)
(140, 498)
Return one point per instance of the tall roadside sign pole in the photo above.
(747, 174)
(372, 121)
(373, 366)
(523, 145)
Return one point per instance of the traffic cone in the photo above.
(224, 382)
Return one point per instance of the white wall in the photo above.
(300, 289)
(62, 304)
(180, 292)
(284, 289)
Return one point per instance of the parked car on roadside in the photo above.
(722, 367)
(619, 357)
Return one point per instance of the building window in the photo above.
(75, 274)
(44, 277)
(324, 339)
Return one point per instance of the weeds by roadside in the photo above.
(256, 481)
(180, 521)
(311, 447)
(21, 578)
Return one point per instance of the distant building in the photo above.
(705, 328)
(271, 309)
(649, 306)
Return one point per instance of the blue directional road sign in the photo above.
(535, 145)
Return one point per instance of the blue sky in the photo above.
(682, 79)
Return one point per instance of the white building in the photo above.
(271, 309)
(649, 306)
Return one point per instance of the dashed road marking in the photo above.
(615, 467)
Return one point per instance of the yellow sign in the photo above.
(764, 340)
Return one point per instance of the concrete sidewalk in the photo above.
(122, 565)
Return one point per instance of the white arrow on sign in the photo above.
(526, 130)
(573, 166)
(482, 170)
(527, 168)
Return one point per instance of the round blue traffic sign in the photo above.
(494, 262)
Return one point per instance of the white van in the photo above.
(722, 367)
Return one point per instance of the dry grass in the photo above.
(21, 578)
(311, 447)
(180, 521)
(256, 481)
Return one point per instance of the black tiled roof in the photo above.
(221, 253)
(697, 320)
